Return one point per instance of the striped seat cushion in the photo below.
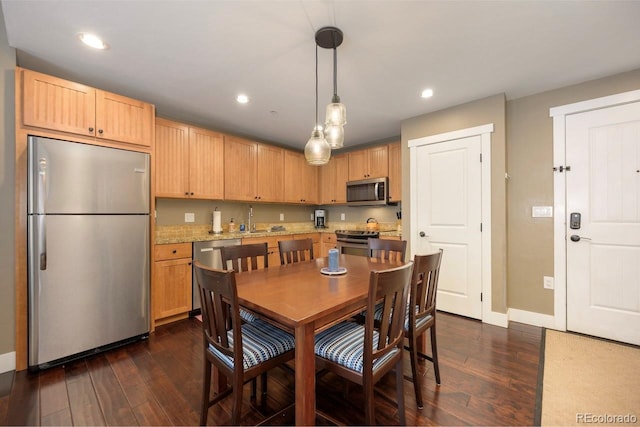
(378, 316)
(344, 344)
(261, 341)
(247, 316)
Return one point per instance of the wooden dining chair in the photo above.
(295, 250)
(424, 289)
(364, 353)
(384, 249)
(241, 351)
(245, 258)
(422, 297)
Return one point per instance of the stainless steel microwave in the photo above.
(368, 192)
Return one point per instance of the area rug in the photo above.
(586, 380)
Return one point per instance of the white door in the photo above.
(603, 254)
(448, 215)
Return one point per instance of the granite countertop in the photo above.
(200, 233)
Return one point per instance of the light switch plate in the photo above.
(342, 217)
(281, 217)
(189, 217)
(547, 282)
(542, 211)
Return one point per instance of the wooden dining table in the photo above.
(298, 297)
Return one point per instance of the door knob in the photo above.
(576, 238)
(422, 234)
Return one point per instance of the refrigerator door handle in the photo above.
(42, 241)
(42, 184)
(42, 224)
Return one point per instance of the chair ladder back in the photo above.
(220, 311)
(292, 251)
(387, 250)
(245, 257)
(424, 286)
(392, 288)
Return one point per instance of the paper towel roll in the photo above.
(217, 224)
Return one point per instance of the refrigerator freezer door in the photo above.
(93, 289)
(69, 177)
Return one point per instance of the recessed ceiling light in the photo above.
(93, 41)
(427, 93)
(242, 99)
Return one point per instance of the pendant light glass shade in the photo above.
(317, 151)
(336, 113)
(334, 136)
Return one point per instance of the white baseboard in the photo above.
(531, 318)
(496, 319)
(7, 362)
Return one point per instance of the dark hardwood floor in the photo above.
(488, 378)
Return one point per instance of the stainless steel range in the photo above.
(354, 242)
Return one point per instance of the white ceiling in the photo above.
(191, 58)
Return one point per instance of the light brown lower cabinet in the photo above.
(328, 241)
(172, 282)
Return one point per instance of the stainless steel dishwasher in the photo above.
(208, 253)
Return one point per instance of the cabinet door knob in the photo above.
(90, 129)
(191, 194)
(174, 251)
(100, 131)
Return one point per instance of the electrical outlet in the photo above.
(281, 217)
(311, 217)
(342, 217)
(547, 282)
(189, 217)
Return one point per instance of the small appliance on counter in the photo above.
(372, 224)
(320, 218)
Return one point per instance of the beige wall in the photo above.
(522, 139)
(171, 211)
(530, 167)
(475, 113)
(7, 200)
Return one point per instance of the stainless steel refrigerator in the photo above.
(88, 249)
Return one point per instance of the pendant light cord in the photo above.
(316, 124)
(335, 74)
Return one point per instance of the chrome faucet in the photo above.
(251, 216)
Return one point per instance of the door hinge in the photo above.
(481, 227)
(480, 157)
(480, 296)
(562, 169)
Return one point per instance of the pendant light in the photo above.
(331, 38)
(317, 151)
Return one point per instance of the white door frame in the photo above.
(559, 193)
(484, 132)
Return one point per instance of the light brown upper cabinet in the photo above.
(300, 179)
(189, 161)
(395, 172)
(61, 105)
(253, 171)
(333, 180)
(369, 163)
